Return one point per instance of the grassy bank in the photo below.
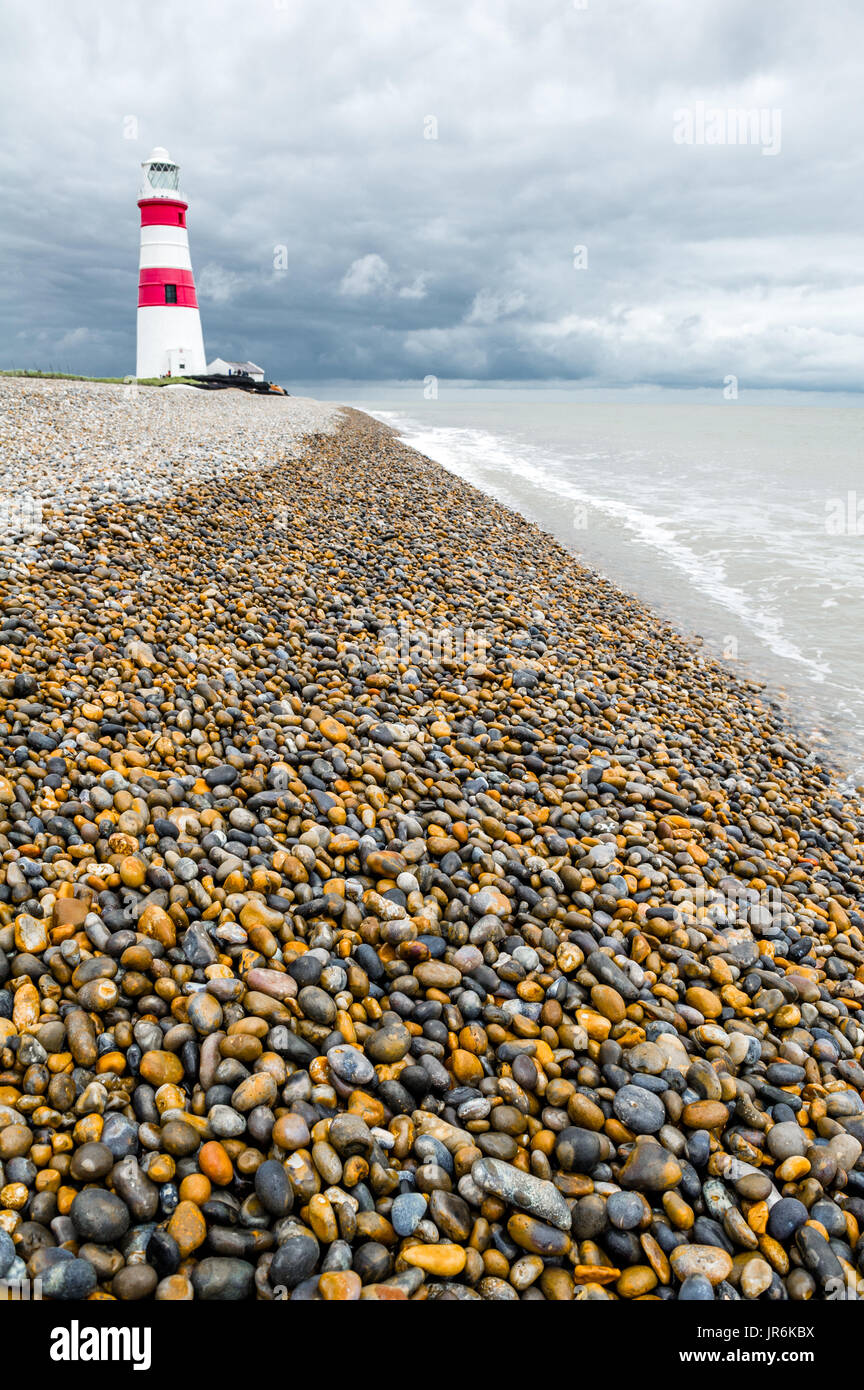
(110, 380)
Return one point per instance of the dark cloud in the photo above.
(332, 238)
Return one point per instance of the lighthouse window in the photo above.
(181, 219)
(164, 176)
(170, 294)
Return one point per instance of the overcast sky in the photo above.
(332, 238)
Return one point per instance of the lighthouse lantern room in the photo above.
(170, 342)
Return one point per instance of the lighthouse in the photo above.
(170, 342)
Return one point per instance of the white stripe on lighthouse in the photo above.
(164, 246)
(178, 326)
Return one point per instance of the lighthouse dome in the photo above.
(161, 175)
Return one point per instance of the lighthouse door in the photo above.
(177, 361)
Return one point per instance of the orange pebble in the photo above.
(195, 1188)
(215, 1163)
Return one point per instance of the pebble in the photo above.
(709, 1260)
(99, 1216)
(625, 1210)
(696, 1288)
(756, 1278)
(408, 1211)
(218, 1278)
(444, 1261)
(273, 1187)
(541, 1198)
(294, 1261)
(69, 1280)
(639, 1110)
(785, 1217)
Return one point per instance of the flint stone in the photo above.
(534, 1195)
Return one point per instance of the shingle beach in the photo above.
(390, 907)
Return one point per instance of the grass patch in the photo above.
(107, 380)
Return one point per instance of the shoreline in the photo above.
(775, 698)
(807, 707)
(392, 907)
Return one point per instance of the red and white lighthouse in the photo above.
(170, 342)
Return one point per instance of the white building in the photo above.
(170, 342)
(219, 367)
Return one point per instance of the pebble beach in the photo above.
(391, 908)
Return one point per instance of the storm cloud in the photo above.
(607, 193)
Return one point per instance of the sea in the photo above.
(741, 525)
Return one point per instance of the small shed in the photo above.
(219, 367)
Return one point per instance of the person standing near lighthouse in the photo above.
(170, 342)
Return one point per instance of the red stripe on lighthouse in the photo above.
(163, 212)
(151, 289)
